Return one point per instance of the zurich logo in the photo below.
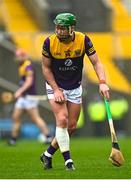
(68, 62)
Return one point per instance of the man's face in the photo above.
(62, 32)
(20, 59)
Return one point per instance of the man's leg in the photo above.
(73, 113)
(62, 136)
(16, 125)
(35, 117)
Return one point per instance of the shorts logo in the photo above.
(68, 62)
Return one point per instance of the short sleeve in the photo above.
(89, 48)
(29, 70)
(46, 49)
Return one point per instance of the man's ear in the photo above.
(72, 28)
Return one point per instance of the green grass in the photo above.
(90, 157)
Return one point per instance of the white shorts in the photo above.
(74, 95)
(25, 103)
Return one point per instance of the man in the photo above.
(62, 64)
(27, 86)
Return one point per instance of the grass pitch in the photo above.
(90, 158)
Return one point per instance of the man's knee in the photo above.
(62, 122)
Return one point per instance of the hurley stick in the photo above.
(116, 156)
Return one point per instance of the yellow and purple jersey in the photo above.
(67, 59)
(26, 69)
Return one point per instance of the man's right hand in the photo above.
(59, 96)
(18, 94)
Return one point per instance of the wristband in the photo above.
(102, 81)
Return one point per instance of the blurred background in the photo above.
(26, 23)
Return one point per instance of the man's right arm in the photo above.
(46, 69)
(47, 72)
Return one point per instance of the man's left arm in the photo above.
(28, 82)
(99, 69)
